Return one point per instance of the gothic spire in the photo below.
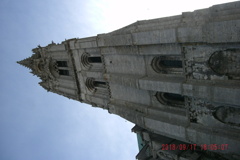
(28, 62)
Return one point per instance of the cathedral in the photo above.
(177, 78)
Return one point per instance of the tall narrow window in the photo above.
(89, 61)
(62, 64)
(99, 84)
(94, 60)
(170, 99)
(63, 72)
(93, 85)
(167, 64)
(171, 63)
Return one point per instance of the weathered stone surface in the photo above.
(177, 76)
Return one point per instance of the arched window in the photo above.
(167, 64)
(94, 59)
(99, 84)
(62, 64)
(61, 67)
(87, 60)
(63, 72)
(170, 99)
(171, 63)
(93, 84)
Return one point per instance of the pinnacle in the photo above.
(26, 62)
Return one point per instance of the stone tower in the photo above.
(177, 78)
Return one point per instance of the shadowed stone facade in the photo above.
(177, 78)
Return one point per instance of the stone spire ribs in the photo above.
(33, 63)
(40, 64)
(27, 62)
(44, 66)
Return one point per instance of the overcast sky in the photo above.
(39, 125)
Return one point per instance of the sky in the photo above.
(36, 124)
